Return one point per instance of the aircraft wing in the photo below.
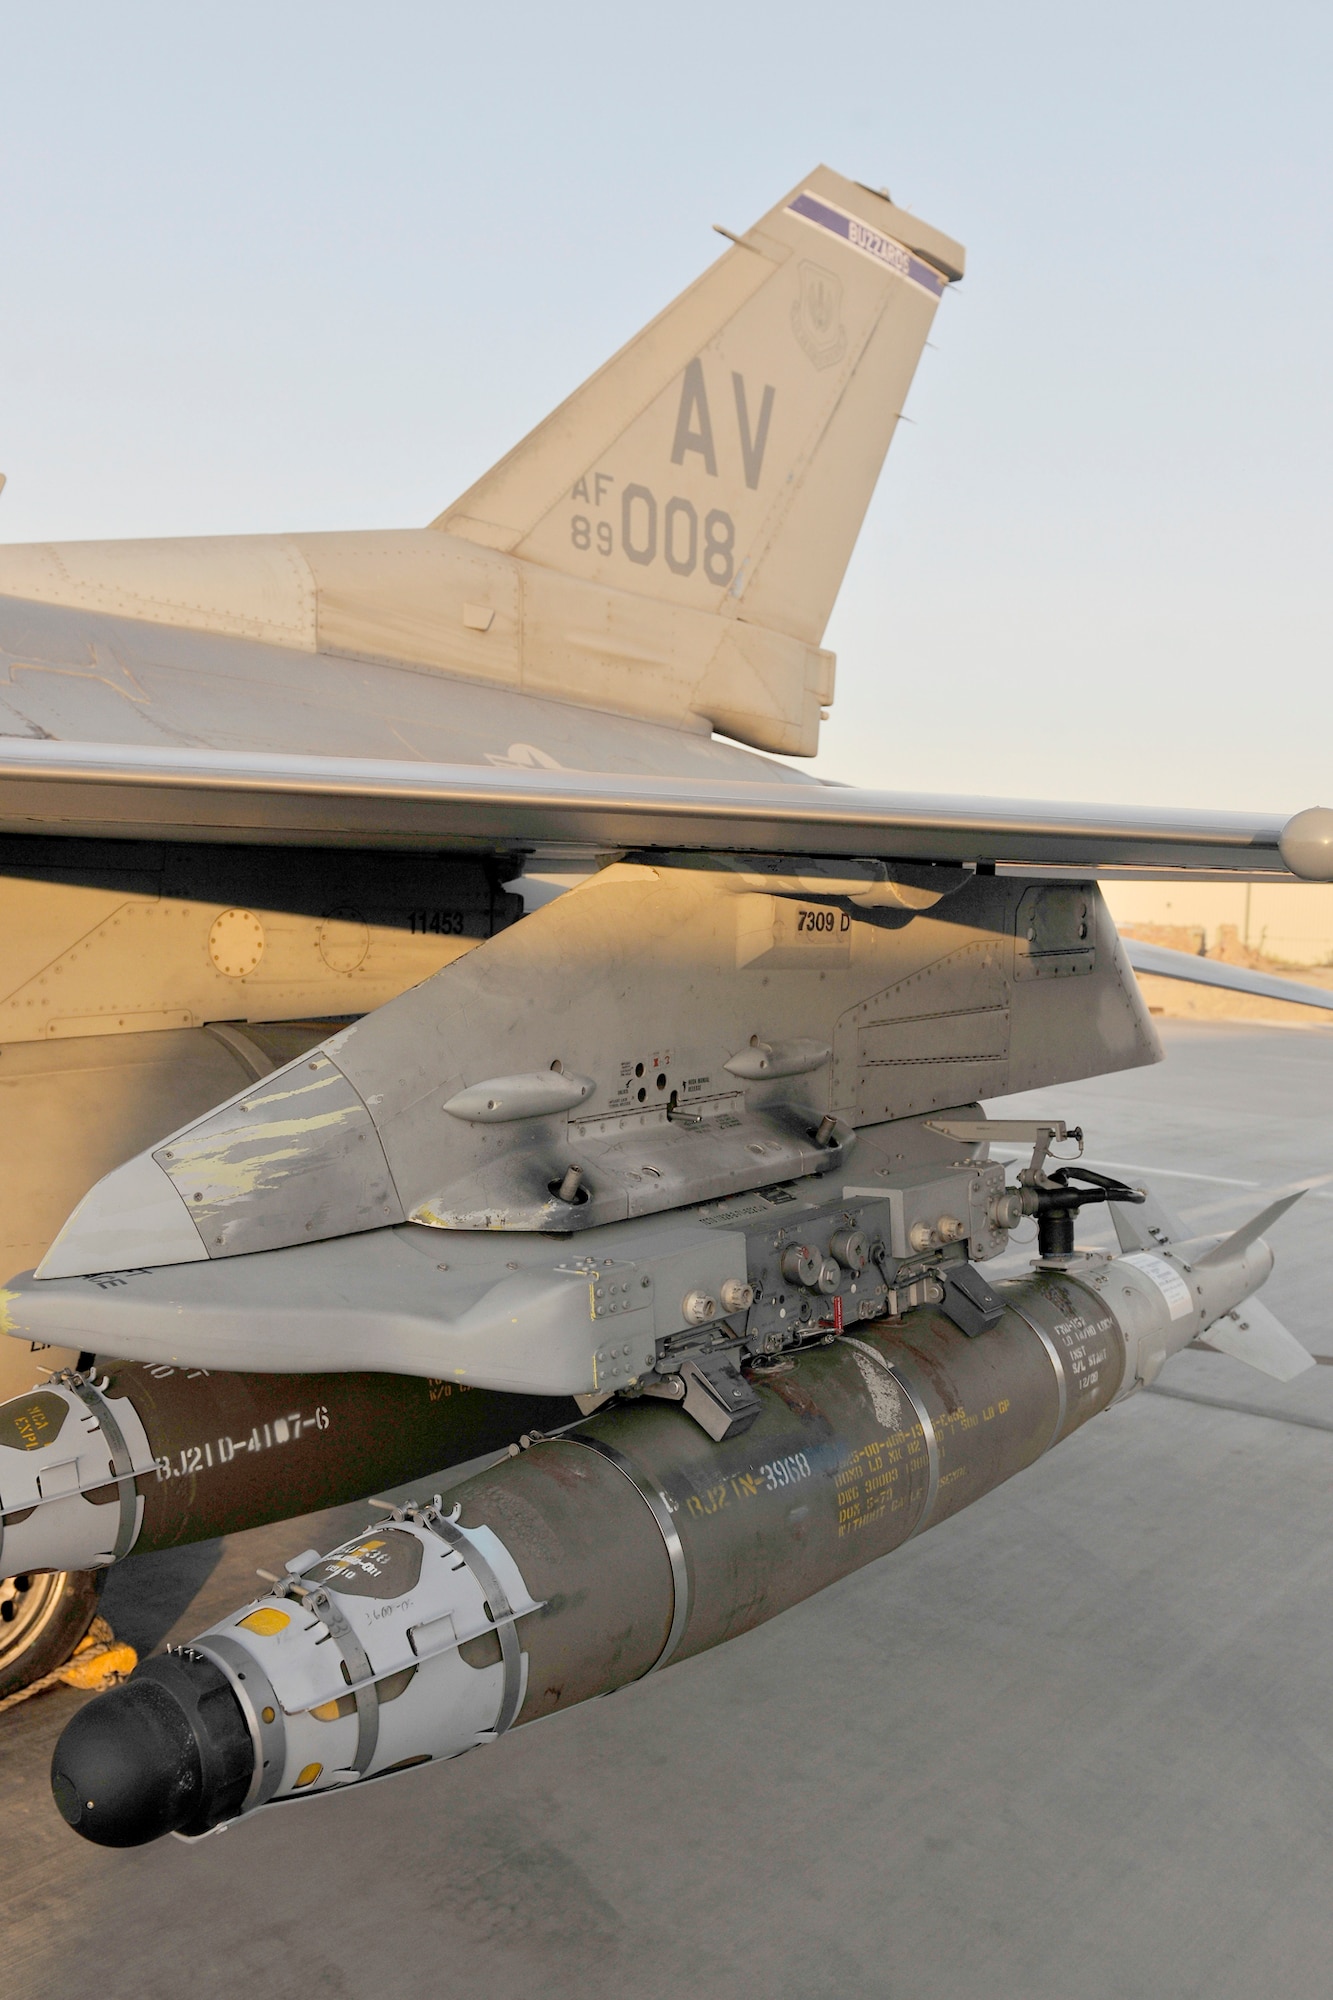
(130, 792)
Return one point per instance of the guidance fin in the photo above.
(1150, 1225)
(1257, 1336)
(1241, 1239)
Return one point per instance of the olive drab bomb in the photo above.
(636, 1538)
(103, 1461)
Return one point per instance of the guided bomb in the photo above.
(633, 1540)
(135, 1456)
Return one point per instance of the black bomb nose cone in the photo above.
(127, 1768)
(170, 1752)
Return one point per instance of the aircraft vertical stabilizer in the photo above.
(666, 545)
(723, 461)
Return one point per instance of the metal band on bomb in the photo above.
(511, 1656)
(661, 1513)
(360, 1675)
(1057, 1363)
(262, 1711)
(123, 1467)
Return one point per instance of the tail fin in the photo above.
(723, 461)
(1254, 1335)
(1249, 1232)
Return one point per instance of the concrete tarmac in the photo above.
(1076, 1744)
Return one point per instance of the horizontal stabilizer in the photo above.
(1163, 963)
(1256, 1336)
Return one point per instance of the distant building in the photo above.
(1289, 923)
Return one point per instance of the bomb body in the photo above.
(595, 1558)
(136, 1456)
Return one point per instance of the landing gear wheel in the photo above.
(42, 1619)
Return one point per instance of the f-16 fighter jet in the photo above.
(431, 1022)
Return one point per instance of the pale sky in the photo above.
(298, 266)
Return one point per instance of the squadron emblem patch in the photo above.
(816, 315)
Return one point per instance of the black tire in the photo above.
(43, 1616)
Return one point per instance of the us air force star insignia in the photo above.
(816, 315)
